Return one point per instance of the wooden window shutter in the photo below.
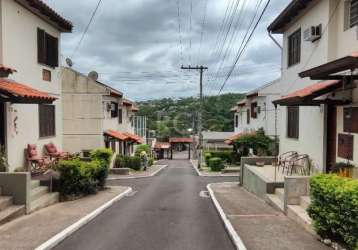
(47, 120)
(120, 116)
(350, 120)
(293, 122)
(52, 50)
(41, 46)
(248, 116)
(345, 146)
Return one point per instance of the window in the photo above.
(120, 116)
(47, 120)
(353, 13)
(236, 121)
(114, 109)
(350, 120)
(47, 49)
(46, 75)
(254, 110)
(248, 116)
(294, 48)
(345, 146)
(293, 114)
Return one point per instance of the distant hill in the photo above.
(173, 117)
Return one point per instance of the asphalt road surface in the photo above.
(164, 212)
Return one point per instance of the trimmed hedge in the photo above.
(216, 164)
(334, 208)
(124, 161)
(104, 157)
(78, 177)
(227, 156)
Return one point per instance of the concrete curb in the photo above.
(138, 177)
(239, 244)
(208, 175)
(58, 238)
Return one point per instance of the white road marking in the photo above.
(204, 194)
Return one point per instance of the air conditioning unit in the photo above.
(312, 33)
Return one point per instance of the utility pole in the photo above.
(200, 116)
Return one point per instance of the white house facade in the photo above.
(95, 115)
(316, 32)
(257, 110)
(31, 108)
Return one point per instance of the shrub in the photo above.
(207, 157)
(142, 147)
(134, 163)
(125, 161)
(216, 164)
(259, 142)
(118, 162)
(103, 158)
(150, 161)
(334, 208)
(77, 177)
(230, 157)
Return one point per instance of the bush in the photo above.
(150, 161)
(125, 161)
(142, 147)
(134, 163)
(118, 162)
(103, 158)
(261, 144)
(78, 177)
(216, 164)
(230, 157)
(334, 208)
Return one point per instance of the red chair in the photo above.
(54, 153)
(35, 163)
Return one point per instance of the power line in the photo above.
(86, 29)
(244, 46)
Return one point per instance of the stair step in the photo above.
(44, 201)
(38, 192)
(35, 184)
(305, 201)
(5, 201)
(280, 192)
(11, 213)
(275, 202)
(299, 214)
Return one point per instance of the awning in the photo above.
(234, 137)
(7, 69)
(14, 92)
(233, 109)
(162, 145)
(116, 134)
(242, 102)
(181, 140)
(326, 71)
(134, 138)
(306, 96)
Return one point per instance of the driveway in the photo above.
(164, 212)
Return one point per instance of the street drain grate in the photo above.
(204, 194)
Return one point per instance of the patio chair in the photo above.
(298, 165)
(284, 160)
(54, 153)
(35, 163)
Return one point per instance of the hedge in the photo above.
(216, 164)
(123, 161)
(230, 157)
(104, 157)
(334, 208)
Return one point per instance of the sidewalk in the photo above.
(260, 226)
(151, 171)
(30, 231)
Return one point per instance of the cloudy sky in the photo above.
(138, 46)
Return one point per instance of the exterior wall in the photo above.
(334, 43)
(19, 51)
(126, 125)
(83, 112)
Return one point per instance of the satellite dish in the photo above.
(93, 75)
(69, 62)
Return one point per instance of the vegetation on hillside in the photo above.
(176, 117)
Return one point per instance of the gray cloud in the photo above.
(134, 45)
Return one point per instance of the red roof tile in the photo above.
(313, 91)
(162, 145)
(19, 90)
(133, 137)
(116, 134)
(234, 137)
(181, 140)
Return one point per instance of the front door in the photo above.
(2, 125)
(331, 137)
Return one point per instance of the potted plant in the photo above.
(343, 169)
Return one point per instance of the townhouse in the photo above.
(30, 84)
(256, 110)
(319, 69)
(96, 115)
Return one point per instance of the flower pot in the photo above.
(346, 172)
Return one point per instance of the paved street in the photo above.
(166, 212)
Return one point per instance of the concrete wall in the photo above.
(16, 185)
(19, 50)
(295, 187)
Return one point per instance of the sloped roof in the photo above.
(18, 92)
(181, 140)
